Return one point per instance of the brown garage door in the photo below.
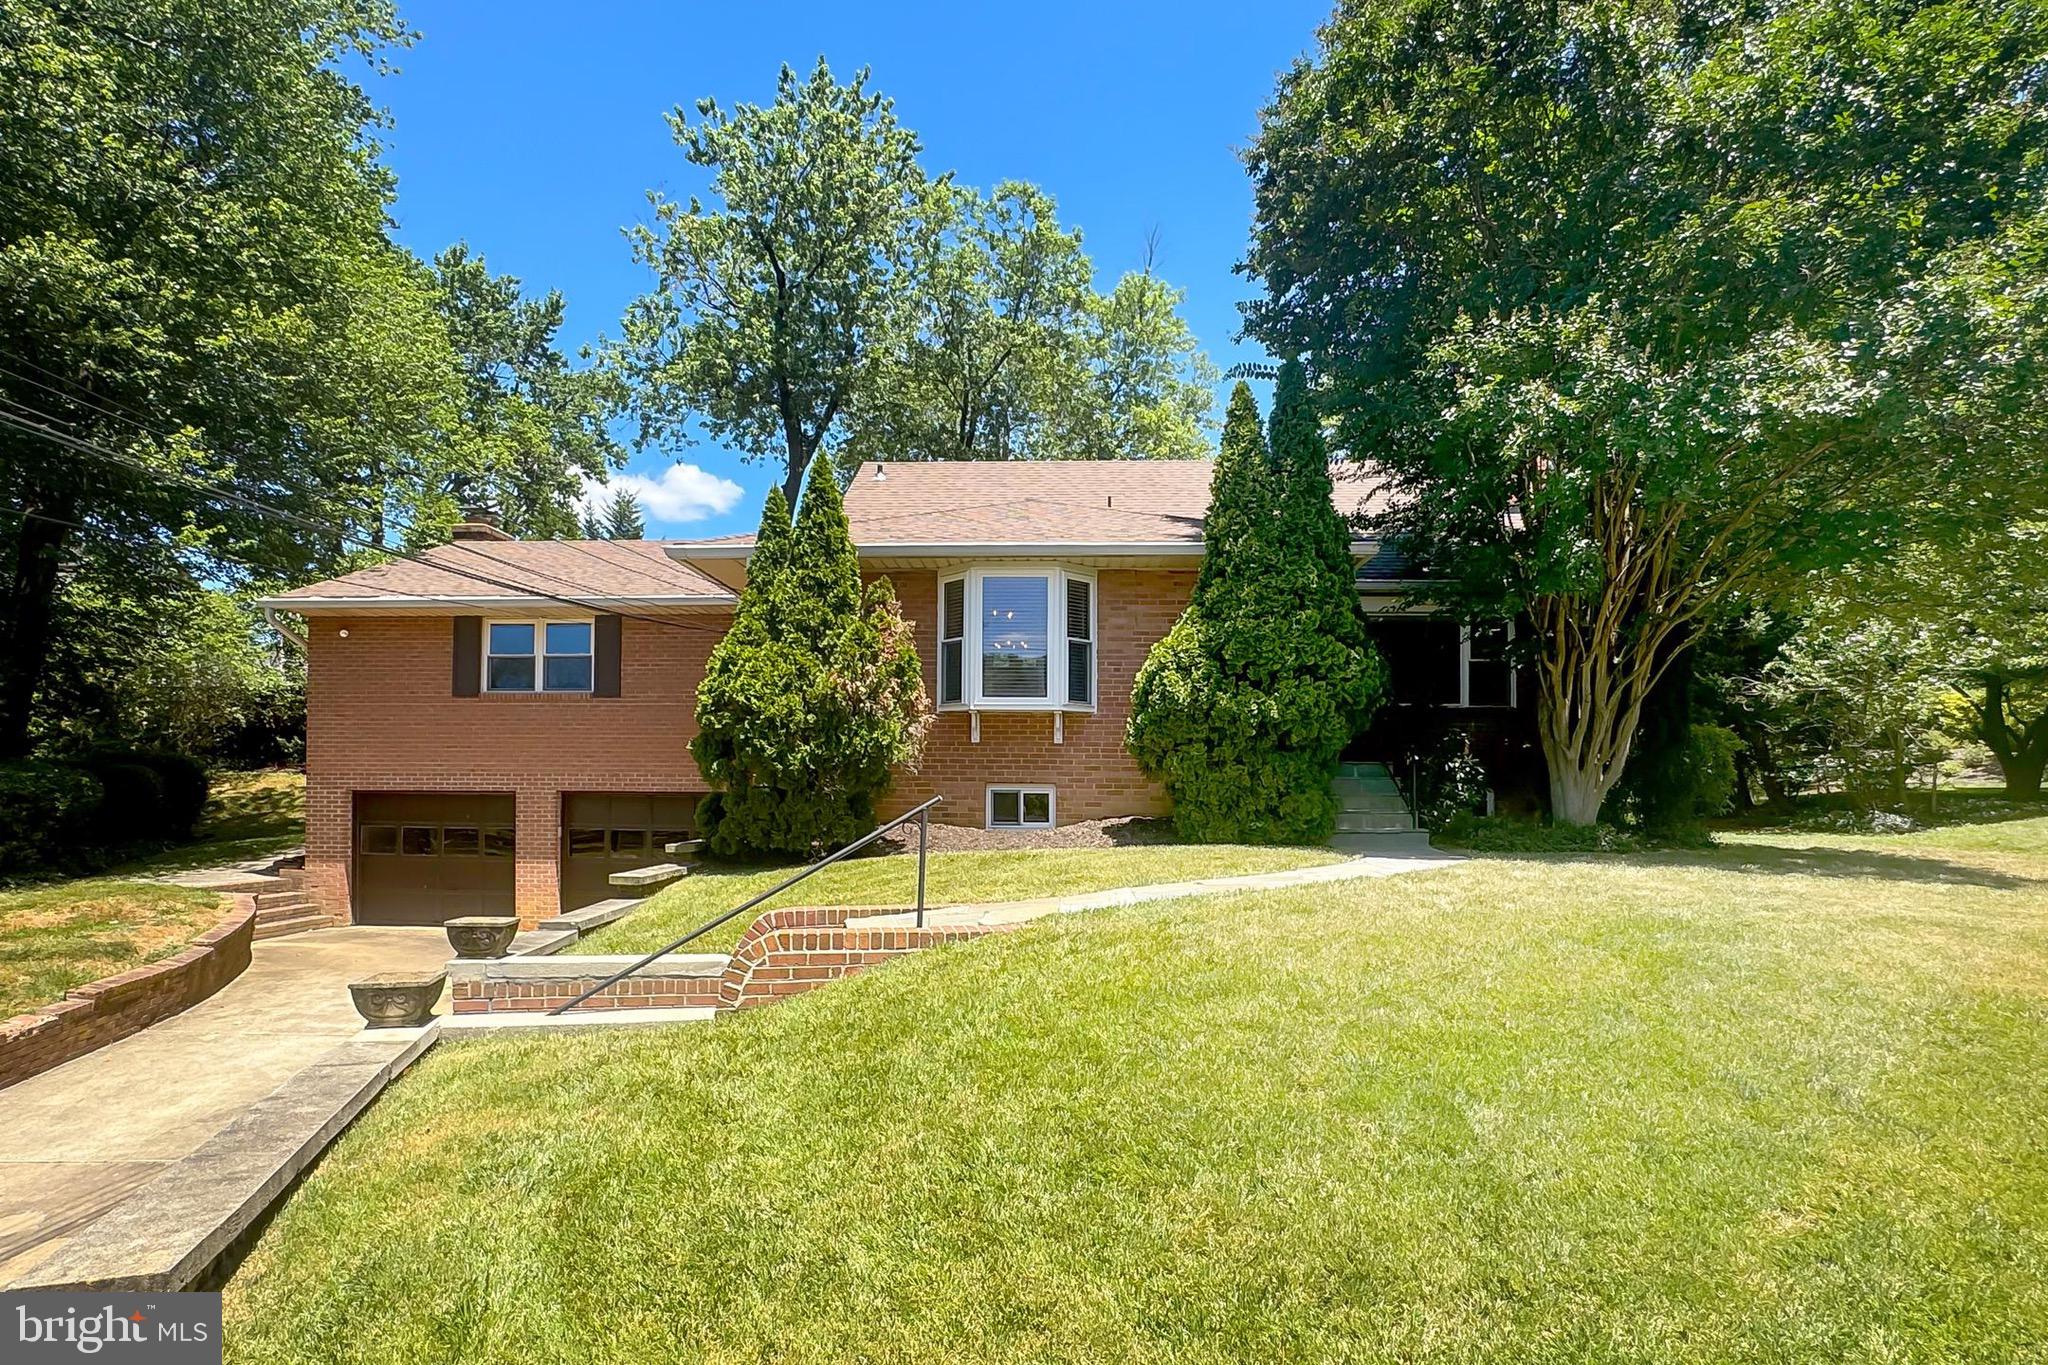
(607, 832)
(422, 859)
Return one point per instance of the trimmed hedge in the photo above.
(77, 814)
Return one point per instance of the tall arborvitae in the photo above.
(812, 697)
(1335, 681)
(1242, 710)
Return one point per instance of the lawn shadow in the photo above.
(1777, 860)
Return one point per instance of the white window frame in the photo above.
(988, 805)
(1465, 670)
(1056, 577)
(540, 657)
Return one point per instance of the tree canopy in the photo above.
(836, 297)
(1636, 307)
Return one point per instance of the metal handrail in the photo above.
(922, 814)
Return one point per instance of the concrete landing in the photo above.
(79, 1139)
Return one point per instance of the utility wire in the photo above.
(233, 498)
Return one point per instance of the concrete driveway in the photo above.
(78, 1139)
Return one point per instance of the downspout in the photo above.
(289, 634)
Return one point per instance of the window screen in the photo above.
(1014, 640)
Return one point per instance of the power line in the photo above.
(195, 484)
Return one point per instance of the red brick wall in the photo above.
(1095, 775)
(381, 716)
(113, 1007)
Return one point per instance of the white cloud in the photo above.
(680, 493)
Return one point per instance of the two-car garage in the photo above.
(427, 857)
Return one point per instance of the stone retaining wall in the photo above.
(113, 1007)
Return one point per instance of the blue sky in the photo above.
(534, 131)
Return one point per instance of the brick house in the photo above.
(499, 728)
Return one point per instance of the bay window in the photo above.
(1018, 639)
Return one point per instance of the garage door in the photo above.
(422, 859)
(607, 832)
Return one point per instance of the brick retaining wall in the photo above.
(784, 952)
(108, 1010)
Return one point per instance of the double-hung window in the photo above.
(1018, 639)
(1486, 675)
(538, 656)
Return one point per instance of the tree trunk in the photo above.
(25, 622)
(2023, 777)
(2022, 753)
(1576, 795)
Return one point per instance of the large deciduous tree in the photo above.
(533, 427)
(769, 310)
(1635, 307)
(813, 696)
(196, 289)
(834, 297)
(1010, 353)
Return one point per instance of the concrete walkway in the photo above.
(1017, 912)
(77, 1140)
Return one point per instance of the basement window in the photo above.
(1020, 807)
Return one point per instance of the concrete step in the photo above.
(648, 878)
(684, 846)
(1386, 803)
(1364, 770)
(1383, 844)
(293, 924)
(285, 909)
(291, 894)
(1364, 786)
(1373, 822)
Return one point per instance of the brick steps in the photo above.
(288, 909)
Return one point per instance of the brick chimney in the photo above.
(480, 523)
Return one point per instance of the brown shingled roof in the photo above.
(598, 570)
(1034, 502)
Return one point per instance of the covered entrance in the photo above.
(607, 832)
(424, 858)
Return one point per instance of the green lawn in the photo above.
(951, 879)
(248, 815)
(60, 934)
(1781, 1101)
(65, 934)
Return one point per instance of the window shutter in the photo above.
(1080, 641)
(952, 645)
(605, 681)
(468, 650)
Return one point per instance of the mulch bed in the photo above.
(1120, 833)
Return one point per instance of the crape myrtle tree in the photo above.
(813, 696)
(1637, 307)
(1242, 709)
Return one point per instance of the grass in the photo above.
(951, 879)
(249, 815)
(1775, 1101)
(55, 937)
(61, 934)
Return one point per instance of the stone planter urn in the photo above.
(476, 936)
(397, 999)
